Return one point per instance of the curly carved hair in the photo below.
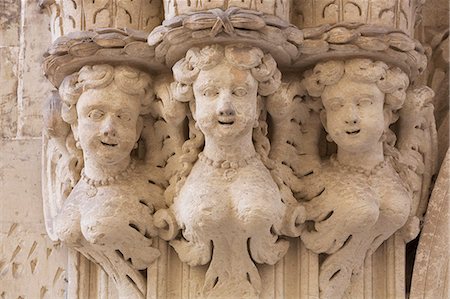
(129, 80)
(392, 81)
(262, 67)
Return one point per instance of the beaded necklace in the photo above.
(94, 183)
(229, 166)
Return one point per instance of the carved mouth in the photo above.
(353, 132)
(109, 144)
(226, 123)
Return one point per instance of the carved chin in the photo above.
(110, 155)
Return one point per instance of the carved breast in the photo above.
(210, 200)
(98, 212)
(395, 199)
(355, 202)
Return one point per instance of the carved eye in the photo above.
(364, 102)
(210, 92)
(96, 114)
(240, 92)
(335, 106)
(124, 116)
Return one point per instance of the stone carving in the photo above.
(351, 40)
(223, 158)
(107, 215)
(69, 16)
(393, 14)
(233, 25)
(227, 203)
(363, 192)
(277, 8)
(109, 45)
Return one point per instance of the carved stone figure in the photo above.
(108, 214)
(228, 206)
(227, 158)
(362, 200)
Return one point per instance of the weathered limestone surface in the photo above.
(9, 57)
(24, 34)
(431, 271)
(10, 23)
(8, 93)
(31, 266)
(34, 86)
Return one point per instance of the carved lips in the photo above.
(111, 144)
(226, 121)
(353, 132)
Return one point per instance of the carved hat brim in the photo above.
(356, 40)
(272, 34)
(291, 47)
(68, 54)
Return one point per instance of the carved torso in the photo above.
(355, 213)
(233, 210)
(244, 194)
(113, 215)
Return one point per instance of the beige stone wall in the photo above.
(31, 266)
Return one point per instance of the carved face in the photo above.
(225, 101)
(108, 126)
(354, 114)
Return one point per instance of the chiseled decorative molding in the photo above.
(398, 15)
(70, 53)
(68, 16)
(234, 25)
(279, 8)
(207, 152)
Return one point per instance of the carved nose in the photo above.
(352, 117)
(108, 129)
(353, 121)
(226, 109)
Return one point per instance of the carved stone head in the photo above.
(226, 83)
(360, 98)
(225, 105)
(103, 104)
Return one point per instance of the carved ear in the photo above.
(75, 130)
(323, 118)
(192, 107)
(139, 127)
(259, 107)
(387, 113)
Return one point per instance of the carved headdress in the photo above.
(255, 23)
(99, 32)
(379, 30)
